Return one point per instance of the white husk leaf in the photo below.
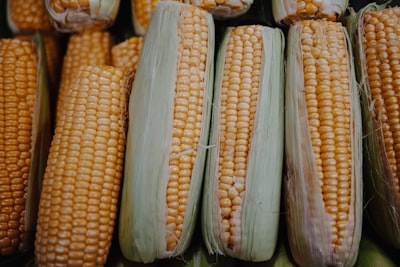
(382, 207)
(309, 239)
(261, 204)
(142, 227)
(100, 16)
(283, 8)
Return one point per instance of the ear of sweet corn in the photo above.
(377, 38)
(86, 48)
(241, 198)
(287, 11)
(169, 113)
(223, 9)
(72, 16)
(28, 16)
(126, 54)
(24, 139)
(81, 184)
(323, 193)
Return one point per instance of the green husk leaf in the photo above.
(382, 208)
(142, 230)
(261, 203)
(100, 15)
(372, 255)
(281, 9)
(307, 220)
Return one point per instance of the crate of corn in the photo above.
(377, 42)
(323, 187)
(241, 198)
(24, 139)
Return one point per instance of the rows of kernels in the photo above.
(18, 70)
(188, 116)
(126, 54)
(60, 6)
(326, 87)
(381, 44)
(239, 94)
(87, 48)
(143, 9)
(29, 15)
(78, 203)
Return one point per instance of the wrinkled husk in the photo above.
(284, 11)
(261, 203)
(308, 223)
(100, 15)
(382, 207)
(142, 229)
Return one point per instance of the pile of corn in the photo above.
(199, 133)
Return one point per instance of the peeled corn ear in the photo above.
(241, 198)
(323, 190)
(24, 139)
(72, 16)
(169, 114)
(81, 184)
(286, 12)
(377, 42)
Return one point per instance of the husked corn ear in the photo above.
(87, 48)
(378, 53)
(142, 10)
(241, 198)
(286, 12)
(72, 16)
(126, 54)
(27, 16)
(323, 190)
(80, 190)
(223, 9)
(24, 122)
(169, 113)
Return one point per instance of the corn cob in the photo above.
(80, 191)
(323, 146)
(244, 167)
(169, 112)
(24, 130)
(286, 12)
(73, 16)
(377, 37)
(27, 16)
(87, 48)
(126, 54)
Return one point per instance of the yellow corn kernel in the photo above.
(87, 48)
(323, 148)
(126, 54)
(27, 16)
(173, 104)
(378, 52)
(223, 9)
(60, 6)
(80, 189)
(18, 83)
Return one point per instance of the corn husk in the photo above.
(142, 229)
(225, 10)
(307, 221)
(382, 206)
(261, 204)
(100, 15)
(286, 12)
(372, 255)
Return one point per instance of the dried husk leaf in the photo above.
(261, 204)
(142, 227)
(307, 220)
